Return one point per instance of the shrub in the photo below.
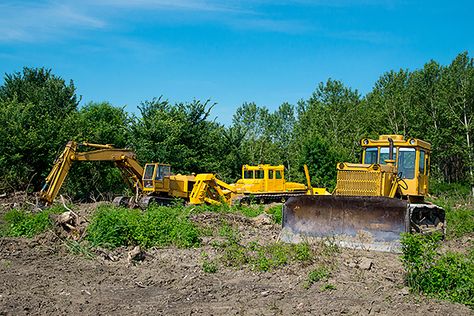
(23, 223)
(158, 226)
(447, 276)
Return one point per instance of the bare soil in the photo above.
(41, 276)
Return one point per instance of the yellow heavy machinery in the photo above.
(155, 182)
(263, 184)
(152, 183)
(373, 201)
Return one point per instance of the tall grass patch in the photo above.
(157, 226)
(447, 276)
(24, 223)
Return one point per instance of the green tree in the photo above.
(330, 121)
(34, 108)
(100, 123)
(179, 134)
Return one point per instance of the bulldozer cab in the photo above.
(156, 177)
(262, 178)
(412, 158)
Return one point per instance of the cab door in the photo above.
(423, 167)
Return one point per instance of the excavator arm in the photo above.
(124, 159)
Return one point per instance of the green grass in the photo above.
(80, 249)
(447, 276)
(23, 223)
(264, 257)
(459, 214)
(157, 226)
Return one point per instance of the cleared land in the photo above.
(42, 275)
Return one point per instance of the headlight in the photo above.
(412, 141)
(365, 141)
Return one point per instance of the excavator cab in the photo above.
(156, 177)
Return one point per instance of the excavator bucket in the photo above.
(353, 221)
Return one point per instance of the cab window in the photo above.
(278, 174)
(259, 174)
(371, 155)
(422, 162)
(148, 175)
(270, 174)
(406, 163)
(166, 171)
(384, 154)
(248, 174)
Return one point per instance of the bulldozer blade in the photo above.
(373, 223)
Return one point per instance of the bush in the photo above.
(447, 276)
(23, 223)
(158, 226)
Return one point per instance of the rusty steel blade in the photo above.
(363, 222)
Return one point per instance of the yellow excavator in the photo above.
(153, 183)
(373, 202)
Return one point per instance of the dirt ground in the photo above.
(40, 276)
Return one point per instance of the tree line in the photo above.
(40, 112)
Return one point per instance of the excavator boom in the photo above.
(123, 158)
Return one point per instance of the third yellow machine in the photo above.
(373, 202)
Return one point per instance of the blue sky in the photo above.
(268, 52)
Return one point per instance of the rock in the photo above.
(66, 218)
(136, 254)
(263, 219)
(365, 264)
(265, 293)
(404, 291)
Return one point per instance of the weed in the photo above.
(208, 266)
(264, 257)
(316, 275)
(250, 211)
(277, 213)
(328, 287)
(459, 214)
(302, 252)
(227, 231)
(329, 247)
(80, 249)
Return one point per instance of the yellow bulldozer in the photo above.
(373, 202)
